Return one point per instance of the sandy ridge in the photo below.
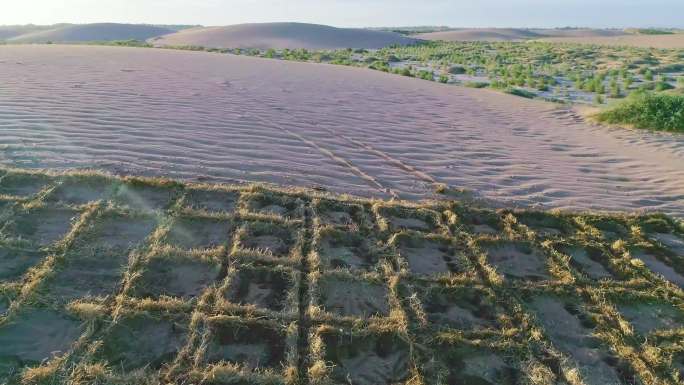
(281, 36)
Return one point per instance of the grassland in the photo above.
(111, 280)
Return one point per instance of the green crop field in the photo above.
(108, 280)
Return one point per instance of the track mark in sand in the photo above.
(348, 164)
(387, 157)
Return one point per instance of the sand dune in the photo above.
(91, 32)
(513, 34)
(644, 41)
(282, 35)
(202, 116)
(10, 31)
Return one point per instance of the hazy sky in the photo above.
(356, 13)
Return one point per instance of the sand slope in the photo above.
(644, 41)
(513, 34)
(282, 35)
(205, 116)
(91, 32)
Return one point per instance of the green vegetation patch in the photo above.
(663, 112)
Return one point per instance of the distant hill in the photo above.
(281, 36)
(514, 34)
(73, 33)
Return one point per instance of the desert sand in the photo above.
(643, 41)
(281, 36)
(512, 34)
(213, 117)
(89, 32)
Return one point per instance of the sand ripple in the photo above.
(202, 116)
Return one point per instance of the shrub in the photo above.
(499, 85)
(648, 110)
(663, 86)
(457, 70)
(520, 92)
(648, 75)
(403, 71)
(426, 75)
(476, 84)
(443, 79)
(380, 66)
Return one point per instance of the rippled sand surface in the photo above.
(202, 116)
